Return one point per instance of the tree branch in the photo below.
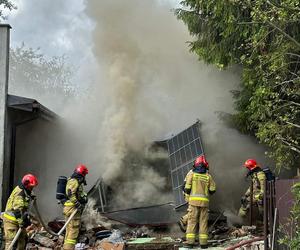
(293, 54)
(293, 124)
(291, 146)
(283, 32)
(282, 7)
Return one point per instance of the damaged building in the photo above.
(180, 151)
(16, 111)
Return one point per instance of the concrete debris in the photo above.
(81, 246)
(43, 241)
(125, 237)
(243, 231)
(141, 232)
(115, 237)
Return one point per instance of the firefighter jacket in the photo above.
(75, 193)
(258, 178)
(17, 205)
(186, 196)
(199, 186)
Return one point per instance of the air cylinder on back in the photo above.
(61, 188)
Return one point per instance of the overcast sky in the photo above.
(57, 27)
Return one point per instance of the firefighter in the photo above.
(184, 219)
(16, 212)
(258, 178)
(199, 186)
(76, 199)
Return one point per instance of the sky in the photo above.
(65, 30)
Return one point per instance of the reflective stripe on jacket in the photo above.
(74, 191)
(258, 179)
(200, 185)
(17, 204)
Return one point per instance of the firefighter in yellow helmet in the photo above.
(258, 178)
(16, 212)
(199, 185)
(77, 199)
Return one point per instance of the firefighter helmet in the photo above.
(250, 164)
(200, 160)
(29, 181)
(82, 170)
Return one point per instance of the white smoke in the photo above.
(148, 86)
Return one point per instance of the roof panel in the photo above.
(29, 105)
(181, 160)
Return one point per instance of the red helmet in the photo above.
(82, 170)
(200, 160)
(29, 181)
(250, 164)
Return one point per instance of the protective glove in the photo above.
(26, 220)
(78, 205)
(244, 201)
(20, 223)
(83, 199)
(258, 197)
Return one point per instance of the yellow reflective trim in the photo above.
(190, 236)
(206, 177)
(198, 199)
(203, 236)
(9, 217)
(188, 186)
(69, 204)
(73, 242)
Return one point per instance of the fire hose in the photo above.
(46, 227)
(243, 243)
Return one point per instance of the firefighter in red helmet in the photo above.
(258, 178)
(182, 223)
(76, 199)
(198, 187)
(16, 212)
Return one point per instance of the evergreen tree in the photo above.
(264, 38)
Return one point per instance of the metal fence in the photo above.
(278, 202)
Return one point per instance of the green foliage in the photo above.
(6, 4)
(292, 239)
(263, 37)
(34, 75)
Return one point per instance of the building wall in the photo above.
(4, 61)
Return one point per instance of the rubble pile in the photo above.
(117, 236)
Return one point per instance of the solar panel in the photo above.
(183, 148)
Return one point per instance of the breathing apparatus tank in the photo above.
(61, 189)
(269, 174)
